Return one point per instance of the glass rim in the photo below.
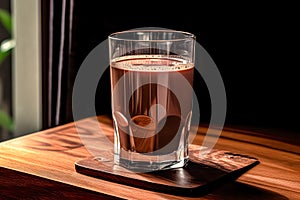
(187, 35)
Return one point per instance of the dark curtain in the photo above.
(247, 49)
(70, 30)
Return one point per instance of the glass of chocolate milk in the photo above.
(151, 75)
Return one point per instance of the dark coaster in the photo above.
(202, 173)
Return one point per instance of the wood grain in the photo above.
(46, 160)
(18, 185)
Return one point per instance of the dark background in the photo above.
(253, 45)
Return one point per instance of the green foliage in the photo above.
(6, 20)
(6, 121)
(3, 55)
(6, 46)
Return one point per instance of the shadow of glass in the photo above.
(237, 190)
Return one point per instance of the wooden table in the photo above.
(41, 165)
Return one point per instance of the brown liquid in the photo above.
(154, 117)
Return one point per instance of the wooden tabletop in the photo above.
(41, 165)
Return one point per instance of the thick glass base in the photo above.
(138, 162)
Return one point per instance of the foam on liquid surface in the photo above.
(151, 63)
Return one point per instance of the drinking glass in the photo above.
(151, 75)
